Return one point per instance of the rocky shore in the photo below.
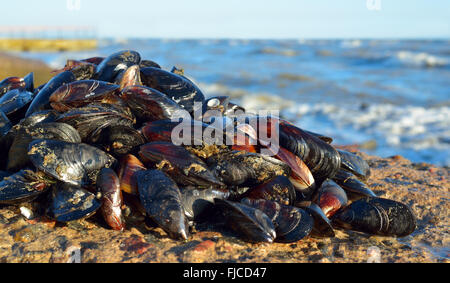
(422, 186)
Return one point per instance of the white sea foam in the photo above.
(405, 128)
(421, 59)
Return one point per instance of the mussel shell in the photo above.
(196, 201)
(69, 203)
(77, 164)
(216, 105)
(189, 132)
(94, 60)
(29, 82)
(120, 140)
(81, 93)
(111, 66)
(129, 165)
(149, 104)
(251, 223)
(90, 120)
(18, 153)
(377, 216)
(149, 63)
(353, 186)
(41, 101)
(301, 177)
(244, 168)
(355, 164)
(11, 83)
(22, 186)
(14, 100)
(330, 197)
(279, 189)
(84, 71)
(109, 185)
(5, 124)
(161, 199)
(129, 77)
(322, 225)
(178, 88)
(184, 167)
(291, 223)
(321, 158)
(44, 116)
(326, 139)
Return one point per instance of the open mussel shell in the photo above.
(161, 199)
(178, 88)
(355, 164)
(129, 165)
(291, 223)
(22, 186)
(322, 225)
(240, 168)
(279, 189)
(251, 223)
(41, 100)
(113, 65)
(77, 164)
(184, 167)
(149, 104)
(215, 107)
(197, 201)
(330, 197)
(18, 153)
(377, 216)
(109, 185)
(354, 188)
(81, 93)
(69, 203)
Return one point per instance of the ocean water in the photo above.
(390, 96)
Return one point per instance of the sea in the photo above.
(389, 97)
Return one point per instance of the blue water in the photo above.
(394, 94)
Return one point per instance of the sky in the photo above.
(238, 18)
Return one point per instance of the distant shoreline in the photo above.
(14, 66)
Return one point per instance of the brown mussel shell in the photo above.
(109, 185)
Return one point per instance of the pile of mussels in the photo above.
(98, 137)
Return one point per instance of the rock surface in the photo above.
(422, 186)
